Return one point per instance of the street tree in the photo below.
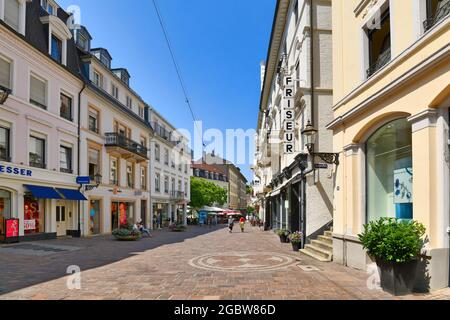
(205, 193)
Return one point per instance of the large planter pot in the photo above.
(284, 239)
(296, 246)
(397, 278)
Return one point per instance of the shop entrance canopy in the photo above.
(41, 192)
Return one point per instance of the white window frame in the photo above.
(100, 78)
(11, 70)
(68, 95)
(22, 14)
(43, 136)
(72, 151)
(37, 77)
(114, 90)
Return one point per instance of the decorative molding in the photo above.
(352, 149)
(416, 71)
(424, 119)
(40, 121)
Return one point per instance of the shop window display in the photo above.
(34, 215)
(390, 172)
(94, 217)
(121, 214)
(5, 208)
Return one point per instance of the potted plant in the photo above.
(396, 247)
(177, 227)
(296, 239)
(127, 233)
(283, 234)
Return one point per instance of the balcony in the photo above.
(383, 59)
(441, 12)
(177, 195)
(127, 148)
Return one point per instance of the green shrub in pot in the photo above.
(396, 246)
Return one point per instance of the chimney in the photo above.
(263, 73)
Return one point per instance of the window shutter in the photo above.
(38, 90)
(5, 73)
(12, 13)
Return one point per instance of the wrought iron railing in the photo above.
(440, 14)
(383, 59)
(117, 140)
(177, 195)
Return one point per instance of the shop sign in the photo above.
(321, 166)
(288, 115)
(83, 180)
(29, 225)
(12, 228)
(15, 171)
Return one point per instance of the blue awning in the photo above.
(70, 194)
(43, 192)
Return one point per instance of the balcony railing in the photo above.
(117, 140)
(441, 13)
(383, 59)
(177, 195)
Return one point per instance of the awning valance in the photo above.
(43, 192)
(70, 194)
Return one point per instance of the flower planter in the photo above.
(397, 278)
(128, 238)
(296, 246)
(284, 239)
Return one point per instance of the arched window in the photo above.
(5, 204)
(390, 172)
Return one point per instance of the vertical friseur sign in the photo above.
(288, 116)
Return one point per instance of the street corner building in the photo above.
(294, 185)
(65, 116)
(391, 67)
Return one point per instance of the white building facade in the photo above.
(292, 193)
(171, 173)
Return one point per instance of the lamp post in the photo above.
(310, 134)
(4, 94)
(97, 179)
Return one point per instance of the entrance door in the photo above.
(144, 212)
(61, 225)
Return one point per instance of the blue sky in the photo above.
(218, 45)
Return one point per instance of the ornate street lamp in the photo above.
(4, 94)
(310, 134)
(97, 179)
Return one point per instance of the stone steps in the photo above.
(320, 249)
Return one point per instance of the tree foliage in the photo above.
(205, 193)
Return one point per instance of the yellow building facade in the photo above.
(391, 74)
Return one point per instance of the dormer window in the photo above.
(56, 49)
(83, 39)
(123, 75)
(50, 7)
(102, 55)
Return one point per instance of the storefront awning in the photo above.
(70, 194)
(43, 192)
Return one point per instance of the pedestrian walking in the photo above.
(230, 224)
(242, 223)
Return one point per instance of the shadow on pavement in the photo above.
(19, 271)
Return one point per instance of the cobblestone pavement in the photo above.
(202, 263)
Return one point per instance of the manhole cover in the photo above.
(242, 261)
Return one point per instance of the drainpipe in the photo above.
(311, 22)
(79, 155)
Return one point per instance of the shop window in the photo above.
(65, 163)
(5, 204)
(34, 215)
(94, 163)
(37, 152)
(94, 217)
(379, 44)
(390, 172)
(121, 214)
(65, 109)
(5, 153)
